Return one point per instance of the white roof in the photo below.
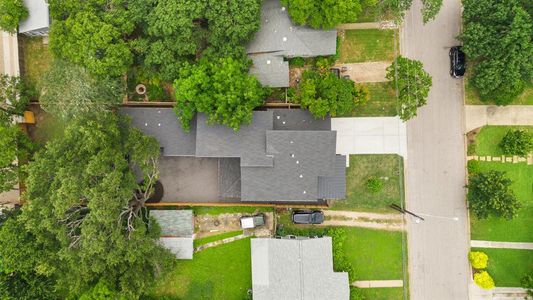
(38, 16)
(247, 222)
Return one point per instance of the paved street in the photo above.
(435, 173)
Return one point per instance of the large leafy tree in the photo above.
(413, 84)
(221, 88)
(69, 91)
(13, 97)
(324, 94)
(497, 38)
(490, 194)
(86, 211)
(11, 13)
(323, 14)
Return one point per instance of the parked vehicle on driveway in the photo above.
(307, 217)
(249, 222)
(457, 62)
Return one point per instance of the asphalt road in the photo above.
(435, 173)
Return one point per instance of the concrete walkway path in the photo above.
(480, 115)
(220, 242)
(506, 245)
(389, 222)
(364, 284)
(497, 293)
(374, 71)
(9, 54)
(368, 25)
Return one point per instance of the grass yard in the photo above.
(223, 272)
(213, 238)
(381, 102)
(368, 45)
(389, 167)
(35, 59)
(488, 139)
(382, 294)
(508, 266)
(472, 95)
(375, 254)
(519, 229)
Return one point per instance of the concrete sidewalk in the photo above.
(368, 25)
(9, 55)
(505, 245)
(377, 283)
(480, 115)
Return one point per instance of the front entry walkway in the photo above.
(381, 135)
(505, 245)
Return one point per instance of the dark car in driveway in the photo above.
(457, 62)
(307, 217)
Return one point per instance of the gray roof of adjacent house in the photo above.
(177, 228)
(182, 248)
(38, 19)
(283, 155)
(278, 38)
(296, 269)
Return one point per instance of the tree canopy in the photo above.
(490, 194)
(497, 38)
(221, 88)
(11, 13)
(323, 93)
(69, 91)
(323, 14)
(13, 97)
(413, 85)
(85, 214)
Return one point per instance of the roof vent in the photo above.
(304, 192)
(283, 122)
(292, 155)
(284, 38)
(297, 162)
(301, 176)
(277, 117)
(292, 142)
(145, 124)
(159, 124)
(283, 8)
(268, 62)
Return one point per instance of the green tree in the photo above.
(324, 93)
(69, 91)
(220, 88)
(9, 134)
(413, 84)
(489, 193)
(13, 97)
(323, 14)
(86, 206)
(527, 283)
(430, 9)
(517, 142)
(393, 8)
(497, 38)
(11, 13)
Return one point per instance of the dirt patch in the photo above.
(208, 225)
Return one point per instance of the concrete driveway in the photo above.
(480, 115)
(435, 168)
(382, 135)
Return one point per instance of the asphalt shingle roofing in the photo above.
(283, 155)
(278, 38)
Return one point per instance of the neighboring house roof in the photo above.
(283, 155)
(278, 38)
(177, 228)
(296, 269)
(38, 19)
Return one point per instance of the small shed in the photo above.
(38, 21)
(177, 228)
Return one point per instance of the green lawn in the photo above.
(472, 95)
(488, 139)
(222, 272)
(375, 254)
(519, 229)
(209, 239)
(358, 197)
(35, 58)
(382, 294)
(381, 102)
(368, 45)
(508, 266)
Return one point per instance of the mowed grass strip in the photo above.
(375, 254)
(520, 228)
(508, 266)
(218, 237)
(489, 138)
(362, 45)
(36, 59)
(222, 272)
(381, 101)
(388, 167)
(382, 293)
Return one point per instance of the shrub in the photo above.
(517, 142)
(340, 262)
(11, 13)
(483, 280)
(156, 92)
(527, 283)
(323, 63)
(473, 167)
(374, 184)
(471, 149)
(478, 260)
(297, 62)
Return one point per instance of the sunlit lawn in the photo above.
(362, 45)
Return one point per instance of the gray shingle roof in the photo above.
(277, 38)
(174, 223)
(296, 269)
(163, 124)
(182, 248)
(334, 187)
(298, 119)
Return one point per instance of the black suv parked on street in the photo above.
(457, 62)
